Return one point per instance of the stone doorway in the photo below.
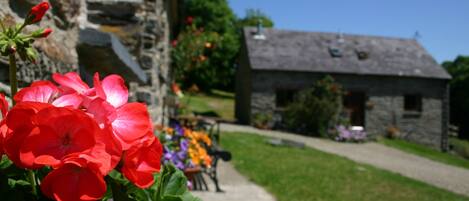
(354, 106)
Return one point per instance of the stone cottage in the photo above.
(125, 37)
(389, 81)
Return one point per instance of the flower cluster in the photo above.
(346, 134)
(197, 151)
(82, 133)
(184, 147)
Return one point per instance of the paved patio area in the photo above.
(236, 187)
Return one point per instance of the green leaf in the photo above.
(119, 191)
(172, 186)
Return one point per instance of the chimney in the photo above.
(259, 35)
(340, 37)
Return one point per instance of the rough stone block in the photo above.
(146, 61)
(104, 53)
(144, 97)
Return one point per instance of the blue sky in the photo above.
(442, 24)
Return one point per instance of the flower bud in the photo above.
(42, 33)
(11, 49)
(37, 12)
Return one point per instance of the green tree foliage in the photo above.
(192, 58)
(215, 16)
(252, 18)
(314, 110)
(459, 93)
(210, 21)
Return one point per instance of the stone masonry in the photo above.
(384, 97)
(143, 27)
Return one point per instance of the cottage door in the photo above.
(354, 105)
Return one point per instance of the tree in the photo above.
(252, 18)
(459, 93)
(210, 21)
(215, 16)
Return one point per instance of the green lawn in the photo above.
(307, 174)
(218, 104)
(426, 152)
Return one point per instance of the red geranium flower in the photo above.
(37, 12)
(75, 180)
(129, 121)
(140, 162)
(61, 131)
(19, 121)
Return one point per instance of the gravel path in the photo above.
(448, 177)
(236, 187)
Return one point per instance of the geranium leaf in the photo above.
(173, 186)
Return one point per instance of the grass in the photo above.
(308, 174)
(460, 147)
(426, 152)
(217, 103)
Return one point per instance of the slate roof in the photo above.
(310, 52)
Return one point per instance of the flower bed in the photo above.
(349, 134)
(184, 147)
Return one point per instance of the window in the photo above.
(362, 55)
(413, 103)
(284, 97)
(335, 52)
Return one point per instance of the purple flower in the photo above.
(184, 144)
(355, 134)
(179, 130)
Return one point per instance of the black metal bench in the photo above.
(212, 127)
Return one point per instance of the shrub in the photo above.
(316, 109)
(460, 147)
(262, 120)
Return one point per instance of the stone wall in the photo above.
(57, 52)
(385, 94)
(142, 26)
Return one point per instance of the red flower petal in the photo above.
(139, 164)
(140, 179)
(131, 123)
(112, 89)
(42, 92)
(3, 105)
(71, 81)
(103, 112)
(74, 100)
(74, 182)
